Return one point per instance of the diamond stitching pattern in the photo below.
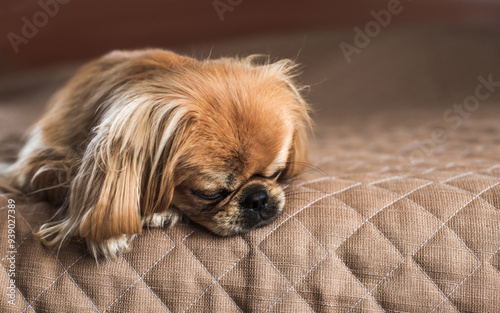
(446, 276)
(213, 269)
(356, 254)
(125, 258)
(407, 201)
(294, 277)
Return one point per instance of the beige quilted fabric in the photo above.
(366, 238)
(387, 220)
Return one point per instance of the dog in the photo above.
(146, 137)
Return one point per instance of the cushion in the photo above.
(399, 211)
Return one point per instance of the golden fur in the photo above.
(144, 137)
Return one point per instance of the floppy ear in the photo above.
(125, 162)
(285, 70)
(128, 170)
(297, 157)
(107, 192)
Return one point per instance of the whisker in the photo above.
(313, 168)
(300, 194)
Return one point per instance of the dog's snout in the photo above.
(256, 201)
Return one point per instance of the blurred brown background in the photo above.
(426, 59)
(72, 30)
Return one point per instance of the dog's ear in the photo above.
(286, 71)
(107, 192)
(297, 156)
(128, 160)
(128, 170)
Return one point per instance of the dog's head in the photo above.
(247, 134)
(212, 139)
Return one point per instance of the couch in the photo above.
(398, 212)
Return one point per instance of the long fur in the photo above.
(107, 150)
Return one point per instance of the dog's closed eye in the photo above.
(273, 176)
(210, 195)
(276, 174)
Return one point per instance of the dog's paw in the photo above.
(110, 248)
(167, 219)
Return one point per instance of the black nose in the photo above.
(256, 201)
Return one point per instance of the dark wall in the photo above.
(36, 33)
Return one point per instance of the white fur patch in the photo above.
(161, 219)
(110, 248)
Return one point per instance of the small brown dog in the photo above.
(143, 137)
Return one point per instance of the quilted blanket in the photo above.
(398, 212)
